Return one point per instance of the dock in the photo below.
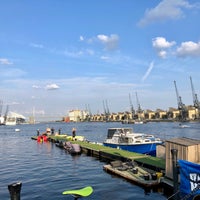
(117, 159)
(111, 154)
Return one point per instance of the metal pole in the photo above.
(15, 190)
(174, 153)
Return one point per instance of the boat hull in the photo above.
(149, 149)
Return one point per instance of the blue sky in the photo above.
(58, 55)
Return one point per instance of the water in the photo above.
(46, 170)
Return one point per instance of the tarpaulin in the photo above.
(189, 177)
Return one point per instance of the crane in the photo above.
(139, 110)
(181, 106)
(106, 110)
(194, 95)
(132, 109)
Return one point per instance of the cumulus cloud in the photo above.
(110, 42)
(166, 10)
(161, 45)
(5, 61)
(52, 87)
(148, 71)
(188, 49)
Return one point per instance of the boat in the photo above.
(126, 139)
(42, 138)
(133, 173)
(73, 149)
(183, 126)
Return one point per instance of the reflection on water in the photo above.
(46, 170)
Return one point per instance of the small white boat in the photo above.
(126, 139)
(183, 126)
(17, 130)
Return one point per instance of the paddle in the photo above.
(84, 192)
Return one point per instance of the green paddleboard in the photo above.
(84, 192)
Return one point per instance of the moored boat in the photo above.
(126, 139)
(133, 173)
(73, 149)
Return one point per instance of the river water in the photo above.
(46, 170)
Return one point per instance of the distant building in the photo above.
(14, 118)
(78, 115)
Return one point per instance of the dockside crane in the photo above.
(139, 110)
(88, 112)
(106, 110)
(195, 98)
(182, 108)
(132, 108)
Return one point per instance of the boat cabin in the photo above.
(112, 131)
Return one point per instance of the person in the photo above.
(52, 130)
(59, 131)
(38, 132)
(73, 133)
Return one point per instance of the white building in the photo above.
(14, 118)
(77, 115)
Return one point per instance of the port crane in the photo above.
(195, 98)
(139, 110)
(132, 108)
(182, 108)
(106, 110)
(88, 112)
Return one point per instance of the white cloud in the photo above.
(52, 87)
(81, 38)
(162, 54)
(188, 49)
(110, 42)
(5, 61)
(36, 86)
(148, 71)
(165, 10)
(162, 43)
(37, 45)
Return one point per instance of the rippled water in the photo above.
(46, 171)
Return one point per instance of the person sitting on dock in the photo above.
(73, 133)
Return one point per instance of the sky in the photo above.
(57, 56)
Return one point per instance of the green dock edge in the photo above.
(113, 153)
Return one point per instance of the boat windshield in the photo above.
(112, 131)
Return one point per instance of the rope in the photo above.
(173, 195)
